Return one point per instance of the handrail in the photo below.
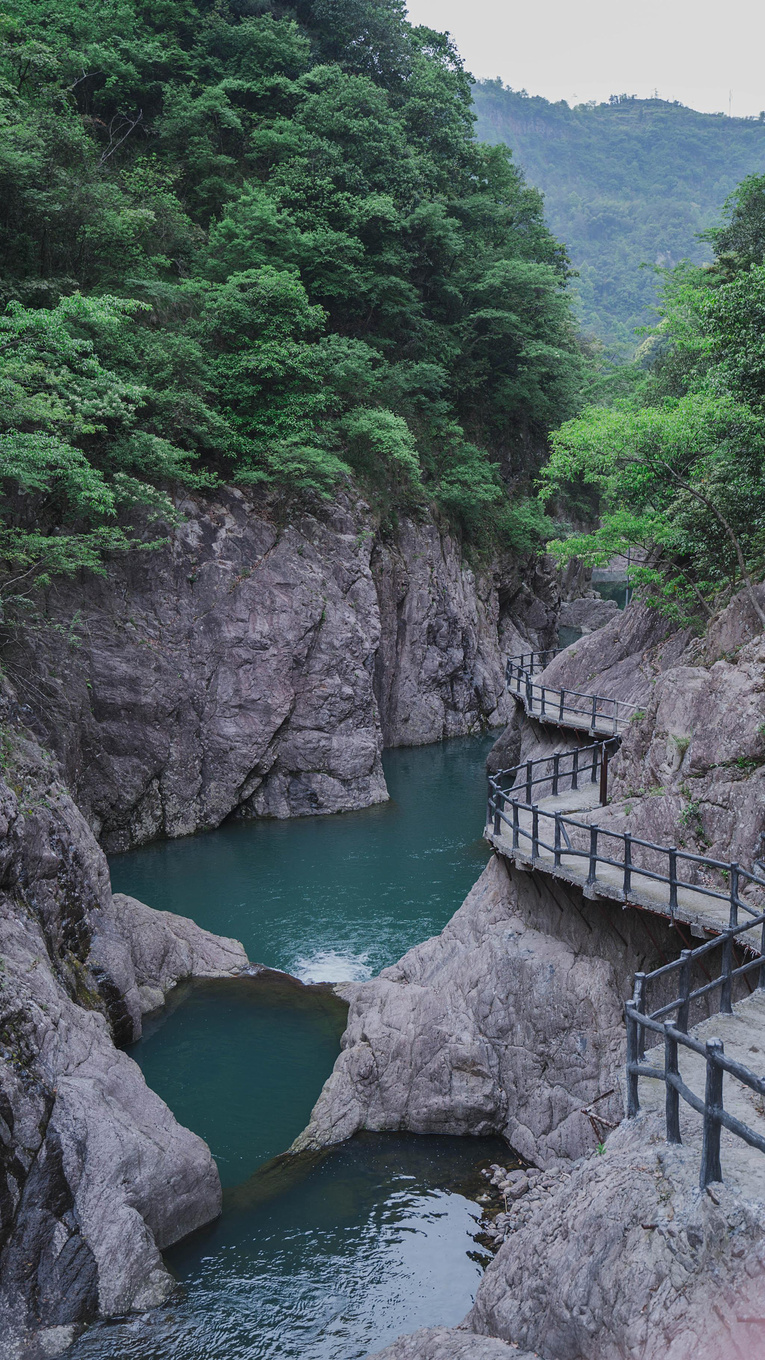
(589, 764)
(675, 1034)
(594, 757)
(560, 705)
(520, 787)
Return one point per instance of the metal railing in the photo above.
(675, 1034)
(512, 804)
(566, 707)
(512, 793)
(552, 775)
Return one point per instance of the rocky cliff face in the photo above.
(622, 1256)
(626, 1259)
(96, 1176)
(691, 767)
(256, 669)
(509, 1022)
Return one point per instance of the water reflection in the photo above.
(326, 1261)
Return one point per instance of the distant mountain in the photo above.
(627, 183)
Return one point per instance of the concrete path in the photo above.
(693, 905)
(577, 714)
(743, 1035)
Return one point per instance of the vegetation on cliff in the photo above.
(628, 185)
(678, 464)
(257, 241)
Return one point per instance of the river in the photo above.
(319, 1258)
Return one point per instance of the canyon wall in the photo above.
(96, 1175)
(257, 669)
(509, 1022)
(623, 1255)
(690, 770)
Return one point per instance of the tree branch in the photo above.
(757, 607)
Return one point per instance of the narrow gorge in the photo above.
(382, 703)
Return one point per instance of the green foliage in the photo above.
(630, 186)
(257, 241)
(678, 466)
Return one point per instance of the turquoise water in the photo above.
(612, 590)
(242, 1063)
(314, 1258)
(333, 898)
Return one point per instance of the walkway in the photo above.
(743, 1034)
(542, 815)
(596, 714)
(694, 907)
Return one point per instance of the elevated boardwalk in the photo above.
(691, 905)
(594, 714)
(543, 815)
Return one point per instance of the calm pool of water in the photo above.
(323, 1262)
(318, 1258)
(333, 898)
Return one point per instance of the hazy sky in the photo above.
(691, 50)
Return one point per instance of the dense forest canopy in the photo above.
(677, 465)
(629, 186)
(257, 241)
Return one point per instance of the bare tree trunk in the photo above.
(757, 607)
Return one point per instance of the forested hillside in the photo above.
(627, 184)
(257, 241)
(678, 465)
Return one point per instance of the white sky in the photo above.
(692, 50)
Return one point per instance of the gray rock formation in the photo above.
(439, 668)
(691, 767)
(449, 1343)
(255, 669)
(628, 1258)
(96, 1176)
(165, 949)
(622, 660)
(509, 1021)
(589, 613)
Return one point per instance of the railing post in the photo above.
(575, 770)
(556, 842)
(713, 1105)
(535, 832)
(633, 1097)
(761, 973)
(673, 879)
(544, 700)
(594, 768)
(515, 825)
(603, 776)
(734, 899)
(499, 806)
(529, 779)
(562, 705)
(592, 872)
(640, 1008)
(627, 863)
(672, 1096)
(684, 1009)
(594, 710)
(556, 773)
(726, 995)
(529, 692)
